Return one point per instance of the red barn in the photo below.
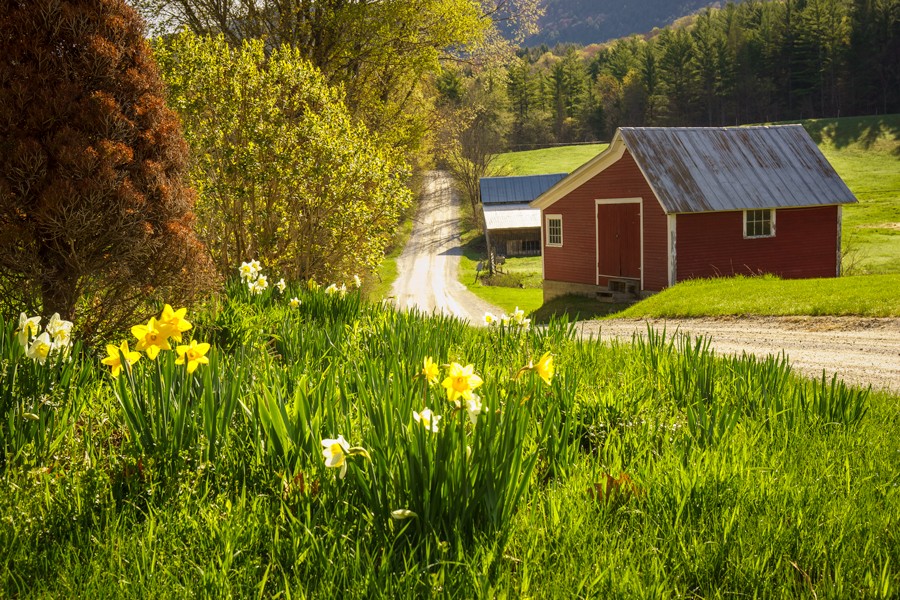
(665, 204)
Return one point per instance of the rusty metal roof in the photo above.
(507, 190)
(702, 169)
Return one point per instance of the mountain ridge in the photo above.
(596, 21)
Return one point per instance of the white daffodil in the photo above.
(332, 289)
(40, 348)
(335, 452)
(60, 330)
(402, 514)
(489, 318)
(518, 316)
(473, 408)
(248, 271)
(281, 285)
(428, 419)
(28, 328)
(357, 281)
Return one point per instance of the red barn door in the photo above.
(619, 240)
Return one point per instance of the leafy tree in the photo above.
(95, 214)
(383, 53)
(284, 173)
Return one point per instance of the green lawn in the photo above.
(561, 159)
(865, 295)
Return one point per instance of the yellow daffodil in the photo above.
(40, 348)
(544, 368)
(461, 381)
(335, 452)
(430, 370)
(114, 360)
(151, 339)
(428, 419)
(311, 284)
(193, 354)
(172, 322)
(28, 328)
(295, 302)
(489, 318)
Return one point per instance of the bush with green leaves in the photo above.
(284, 173)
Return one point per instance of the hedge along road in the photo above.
(428, 265)
(861, 351)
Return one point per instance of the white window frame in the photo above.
(547, 220)
(771, 233)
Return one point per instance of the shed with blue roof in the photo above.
(512, 226)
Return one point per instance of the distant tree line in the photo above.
(743, 63)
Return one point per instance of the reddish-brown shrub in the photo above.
(95, 214)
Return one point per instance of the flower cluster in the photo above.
(55, 339)
(251, 274)
(460, 384)
(517, 318)
(154, 337)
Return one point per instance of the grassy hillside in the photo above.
(865, 295)
(301, 462)
(561, 159)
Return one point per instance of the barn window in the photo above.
(554, 230)
(759, 223)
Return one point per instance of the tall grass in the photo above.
(646, 469)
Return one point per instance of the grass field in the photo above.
(646, 470)
(865, 151)
(864, 295)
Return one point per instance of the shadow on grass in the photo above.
(864, 131)
(576, 308)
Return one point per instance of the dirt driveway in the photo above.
(862, 351)
(428, 266)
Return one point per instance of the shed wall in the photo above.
(712, 245)
(576, 260)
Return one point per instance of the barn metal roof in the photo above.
(511, 216)
(522, 189)
(701, 169)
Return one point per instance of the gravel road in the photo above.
(428, 266)
(861, 351)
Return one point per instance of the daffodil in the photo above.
(311, 284)
(60, 330)
(151, 338)
(544, 367)
(249, 271)
(114, 359)
(335, 452)
(473, 408)
(262, 282)
(428, 419)
(193, 354)
(172, 322)
(28, 328)
(332, 289)
(461, 381)
(430, 370)
(402, 514)
(504, 319)
(295, 302)
(357, 281)
(489, 318)
(40, 348)
(518, 315)
(281, 285)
